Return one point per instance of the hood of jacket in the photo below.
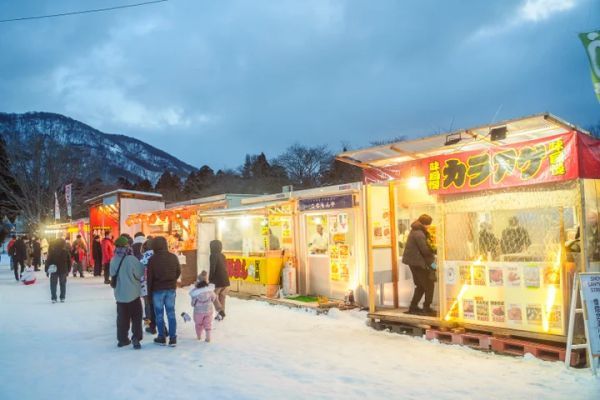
(198, 291)
(216, 246)
(419, 226)
(159, 244)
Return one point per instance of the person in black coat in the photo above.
(20, 255)
(37, 253)
(97, 255)
(60, 257)
(218, 276)
(419, 256)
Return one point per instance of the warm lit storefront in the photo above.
(258, 239)
(178, 223)
(507, 203)
(68, 230)
(109, 211)
(331, 257)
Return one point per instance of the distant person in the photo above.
(20, 255)
(138, 241)
(419, 256)
(273, 241)
(10, 249)
(203, 296)
(97, 255)
(108, 250)
(488, 243)
(515, 238)
(36, 251)
(149, 316)
(592, 236)
(163, 271)
(128, 272)
(28, 251)
(79, 253)
(218, 275)
(45, 246)
(57, 268)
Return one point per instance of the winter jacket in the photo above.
(37, 251)
(129, 286)
(217, 273)
(108, 250)
(163, 267)
(203, 298)
(97, 250)
(138, 242)
(59, 256)
(20, 250)
(417, 251)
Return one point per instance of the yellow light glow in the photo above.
(317, 220)
(552, 291)
(463, 290)
(222, 224)
(415, 182)
(245, 221)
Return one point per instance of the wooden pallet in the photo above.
(539, 350)
(474, 340)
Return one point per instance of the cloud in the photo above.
(528, 11)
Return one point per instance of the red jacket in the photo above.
(10, 245)
(108, 250)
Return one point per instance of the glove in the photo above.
(433, 266)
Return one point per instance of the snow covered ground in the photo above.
(68, 351)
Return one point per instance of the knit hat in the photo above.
(122, 242)
(425, 219)
(203, 277)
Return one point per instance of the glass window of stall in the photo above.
(243, 234)
(591, 234)
(504, 259)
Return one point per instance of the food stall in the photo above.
(331, 257)
(109, 211)
(257, 237)
(69, 231)
(515, 214)
(178, 224)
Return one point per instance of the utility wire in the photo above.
(83, 11)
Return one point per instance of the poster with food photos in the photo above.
(479, 275)
(468, 309)
(514, 314)
(552, 275)
(465, 274)
(513, 276)
(496, 276)
(483, 310)
(497, 311)
(555, 317)
(534, 314)
(452, 307)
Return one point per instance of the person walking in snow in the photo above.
(108, 250)
(128, 272)
(79, 252)
(20, 250)
(163, 271)
(97, 255)
(36, 249)
(10, 249)
(203, 296)
(147, 252)
(218, 276)
(45, 246)
(57, 268)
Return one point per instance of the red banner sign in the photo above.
(544, 160)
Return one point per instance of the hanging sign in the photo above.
(326, 203)
(590, 288)
(550, 159)
(68, 189)
(56, 207)
(591, 42)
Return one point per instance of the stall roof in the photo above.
(67, 224)
(517, 130)
(134, 193)
(241, 209)
(305, 193)
(209, 199)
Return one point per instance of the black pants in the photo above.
(16, 268)
(106, 268)
(97, 266)
(58, 278)
(129, 314)
(423, 285)
(77, 267)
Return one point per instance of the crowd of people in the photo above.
(143, 274)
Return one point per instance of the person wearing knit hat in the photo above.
(420, 256)
(122, 241)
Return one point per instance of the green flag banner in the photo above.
(591, 42)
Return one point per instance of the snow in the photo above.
(259, 351)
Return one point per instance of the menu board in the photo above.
(516, 295)
(379, 211)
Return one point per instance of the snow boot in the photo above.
(173, 341)
(53, 301)
(137, 345)
(123, 344)
(151, 330)
(160, 340)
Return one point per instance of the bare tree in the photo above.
(39, 168)
(387, 141)
(305, 166)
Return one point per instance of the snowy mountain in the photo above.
(104, 155)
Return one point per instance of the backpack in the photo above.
(11, 249)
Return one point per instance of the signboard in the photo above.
(68, 198)
(591, 42)
(56, 207)
(590, 289)
(326, 203)
(516, 295)
(550, 159)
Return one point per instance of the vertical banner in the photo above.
(591, 42)
(590, 288)
(68, 197)
(56, 207)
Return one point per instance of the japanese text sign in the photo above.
(326, 203)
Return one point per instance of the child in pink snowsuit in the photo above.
(203, 296)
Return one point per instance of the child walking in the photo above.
(203, 296)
